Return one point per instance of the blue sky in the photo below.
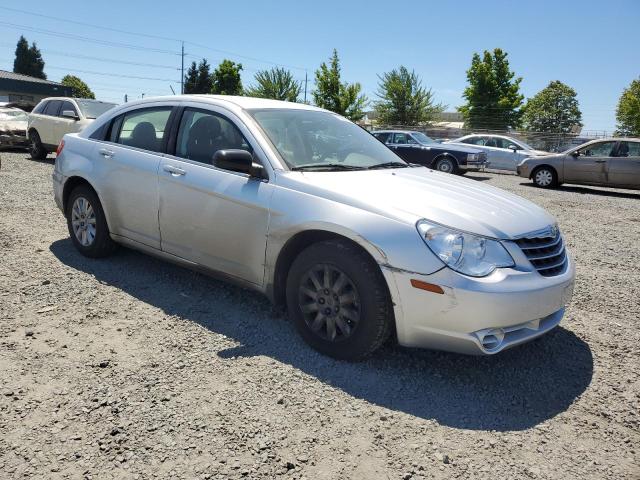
(592, 46)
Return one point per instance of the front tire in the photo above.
(87, 224)
(545, 177)
(446, 165)
(36, 149)
(338, 300)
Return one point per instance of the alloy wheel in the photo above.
(83, 221)
(329, 302)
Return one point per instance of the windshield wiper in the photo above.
(388, 165)
(326, 166)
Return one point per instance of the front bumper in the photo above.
(478, 315)
(474, 166)
(523, 171)
(11, 139)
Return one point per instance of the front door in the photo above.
(405, 147)
(624, 168)
(128, 163)
(589, 164)
(214, 217)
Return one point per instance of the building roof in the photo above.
(24, 78)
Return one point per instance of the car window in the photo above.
(382, 136)
(492, 142)
(411, 140)
(144, 128)
(628, 149)
(52, 108)
(40, 107)
(400, 138)
(68, 106)
(475, 141)
(506, 143)
(201, 134)
(602, 149)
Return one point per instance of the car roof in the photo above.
(244, 103)
(74, 99)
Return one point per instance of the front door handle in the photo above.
(175, 171)
(106, 153)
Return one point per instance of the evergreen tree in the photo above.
(28, 60)
(198, 78)
(553, 109)
(277, 84)
(493, 94)
(628, 111)
(80, 89)
(342, 98)
(226, 78)
(191, 79)
(403, 99)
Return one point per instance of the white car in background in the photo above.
(54, 117)
(503, 153)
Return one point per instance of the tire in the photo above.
(446, 165)
(36, 149)
(545, 177)
(84, 211)
(359, 303)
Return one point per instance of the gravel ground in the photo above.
(129, 367)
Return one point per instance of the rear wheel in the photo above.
(545, 177)
(36, 149)
(446, 165)
(87, 224)
(338, 300)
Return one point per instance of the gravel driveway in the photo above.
(129, 367)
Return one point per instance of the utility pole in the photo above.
(182, 70)
(126, 98)
(305, 86)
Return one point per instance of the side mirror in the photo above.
(575, 154)
(69, 114)
(236, 160)
(513, 148)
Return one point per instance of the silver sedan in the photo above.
(612, 162)
(308, 208)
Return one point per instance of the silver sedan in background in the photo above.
(611, 162)
(503, 153)
(308, 208)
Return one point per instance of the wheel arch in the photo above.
(538, 167)
(75, 181)
(445, 155)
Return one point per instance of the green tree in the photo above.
(628, 111)
(226, 78)
(342, 98)
(403, 99)
(80, 89)
(28, 60)
(493, 94)
(553, 109)
(198, 78)
(277, 84)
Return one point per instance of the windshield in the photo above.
(94, 108)
(307, 139)
(422, 138)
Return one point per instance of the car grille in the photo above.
(546, 254)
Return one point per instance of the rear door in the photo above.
(624, 168)
(590, 164)
(214, 217)
(129, 159)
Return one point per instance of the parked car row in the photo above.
(13, 127)
(304, 206)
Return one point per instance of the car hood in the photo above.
(410, 194)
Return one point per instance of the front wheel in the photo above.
(446, 165)
(87, 224)
(545, 177)
(338, 300)
(36, 149)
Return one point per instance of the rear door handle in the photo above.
(175, 171)
(106, 153)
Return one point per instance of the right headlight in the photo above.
(465, 253)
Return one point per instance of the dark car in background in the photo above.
(416, 147)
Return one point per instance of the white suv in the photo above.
(55, 117)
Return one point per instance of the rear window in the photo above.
(94, 108)
(144, 128)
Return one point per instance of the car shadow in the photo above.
(514, 390)
(591, 191)
(476, 177)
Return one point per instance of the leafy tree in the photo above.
(80, 89)
(277, 84)
(198, 78)
(28, 60)
(226, 78)
(493, 94)
(403, 99)
(628, 111)
(552, 109)
(342, 98)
